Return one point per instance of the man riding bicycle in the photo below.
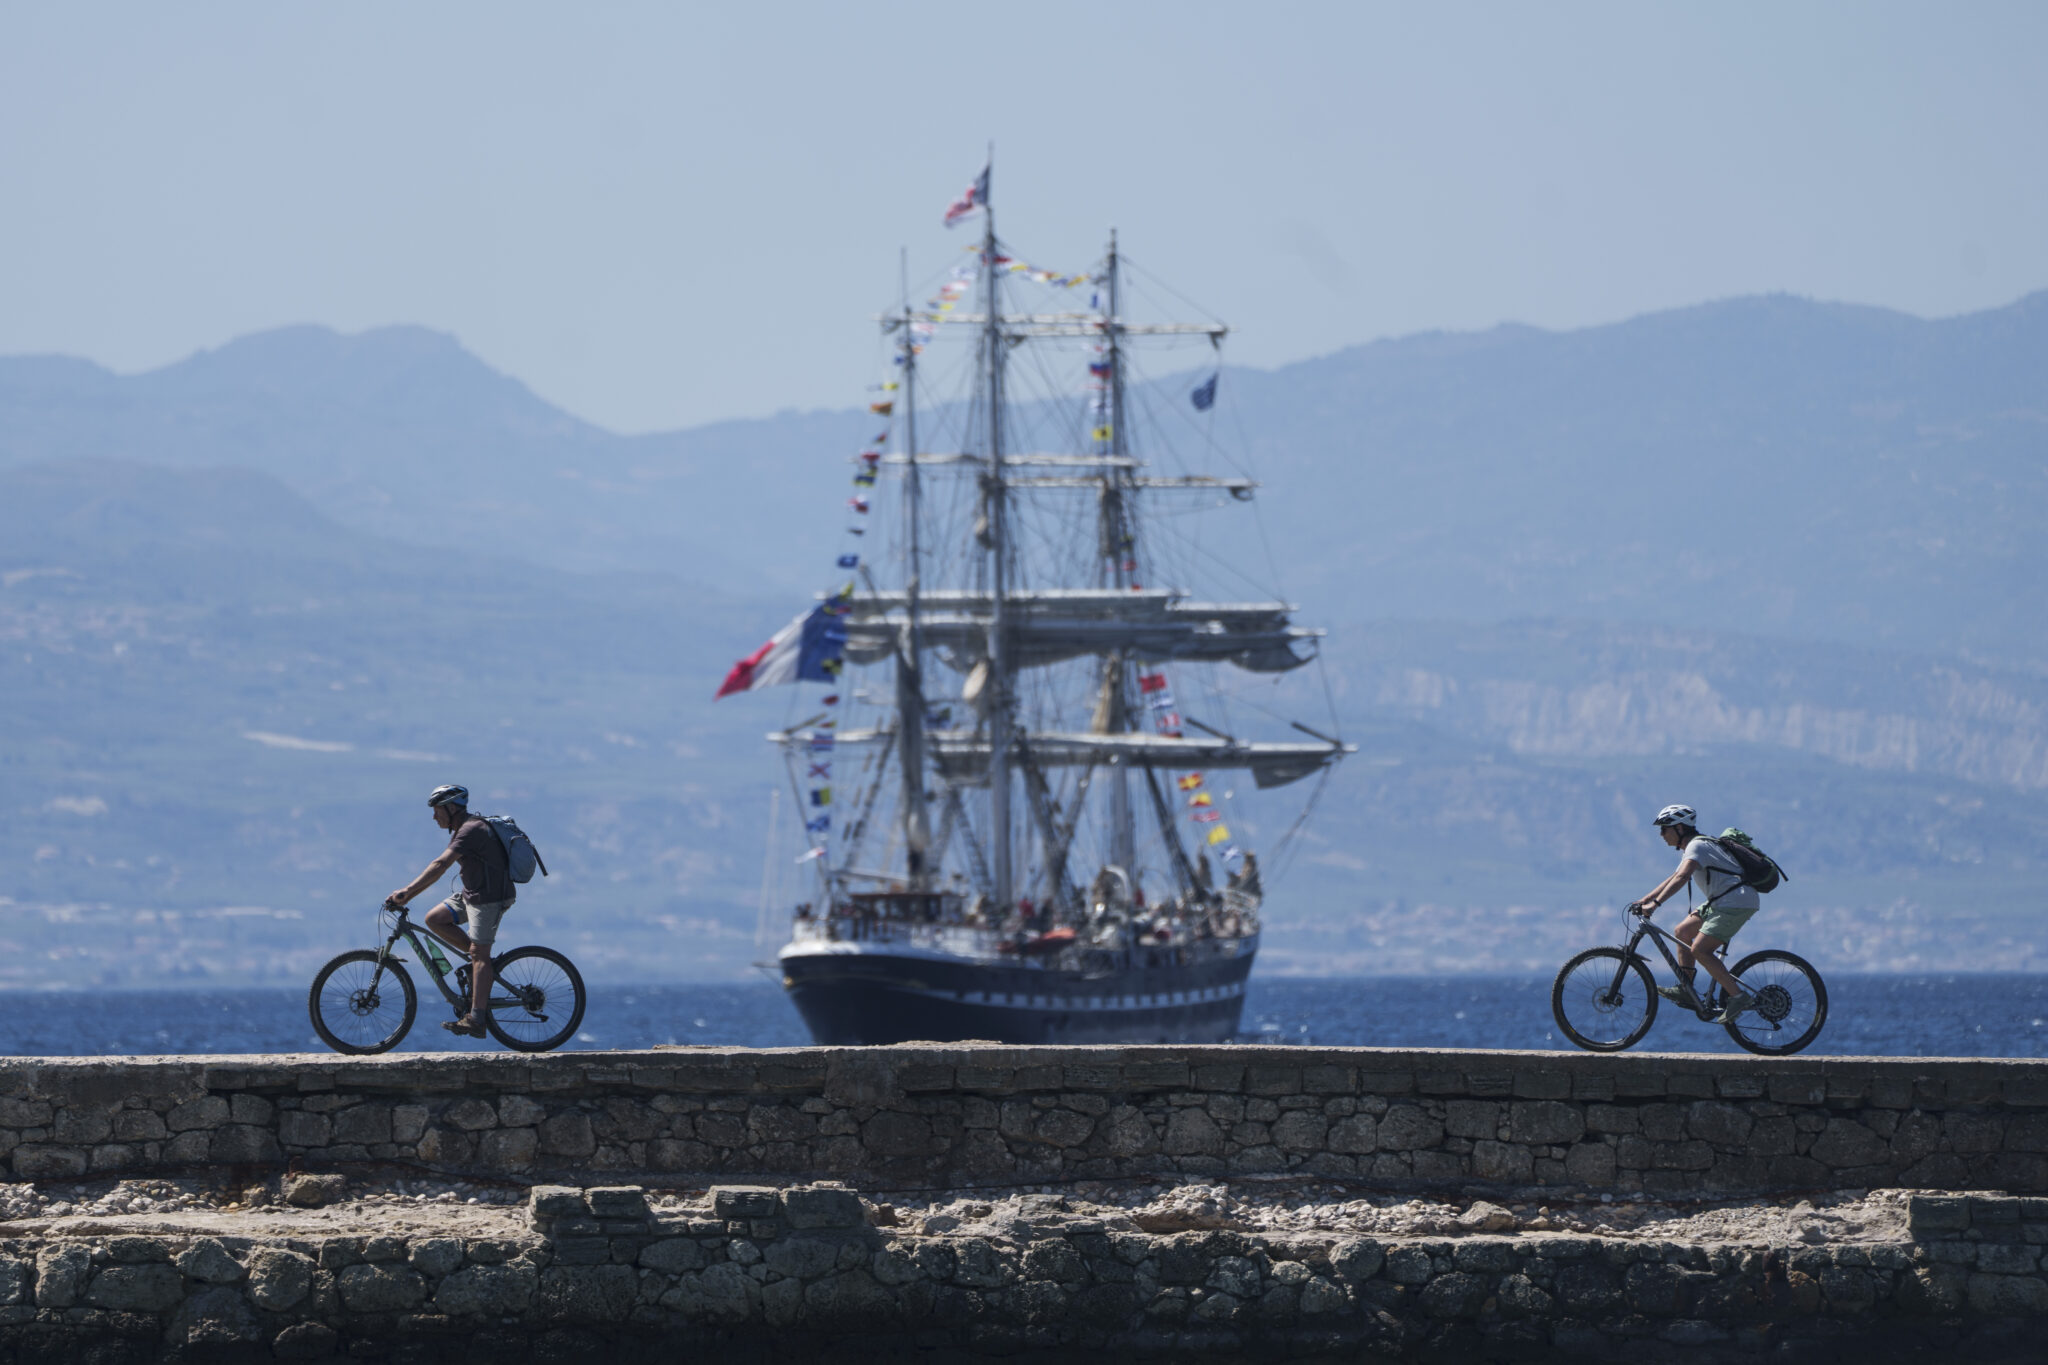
(1704, 932)
(485, 896)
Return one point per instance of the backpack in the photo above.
(521, 857)
(1758, 869)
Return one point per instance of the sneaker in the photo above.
(468, 1025)
(1739, 1005)
(1677, 995)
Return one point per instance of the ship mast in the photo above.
(910, 651)
(1118, 544)
(995, 495)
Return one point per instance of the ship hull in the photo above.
(873, 994)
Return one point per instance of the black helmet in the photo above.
(449, 795)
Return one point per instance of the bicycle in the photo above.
(1605, 998)
(363, 1002)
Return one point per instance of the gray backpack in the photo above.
(520, 854)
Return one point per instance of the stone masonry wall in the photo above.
(756, 1273)
(951, 1116)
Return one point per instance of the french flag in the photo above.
(808, 649)
(975, 198)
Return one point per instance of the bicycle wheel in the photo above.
(1604, 1000)
(1791, 1003)
(536, 1000)
(358, 1008)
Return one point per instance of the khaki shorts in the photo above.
(1720, 922)
(483, 916)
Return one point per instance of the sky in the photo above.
(662, 215)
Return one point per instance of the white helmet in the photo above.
(1678, 815)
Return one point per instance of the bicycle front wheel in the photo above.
(1791, 1003)
(536, 1000)
(1604, 1000)
(360, 1007)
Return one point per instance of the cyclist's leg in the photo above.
(483, 932)
(445, 924)
(1685, 931)
(1710, 958)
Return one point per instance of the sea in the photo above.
(1954, 1015)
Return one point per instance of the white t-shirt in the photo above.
(1717, 871)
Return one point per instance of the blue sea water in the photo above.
(1954, 1015)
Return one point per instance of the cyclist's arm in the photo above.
(1668, 888)
(433, 874)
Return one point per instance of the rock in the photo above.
(278, 1279)
(487, 1289)
(673, 1256)
(588, 1293)
(136, 1288)
(823, 1207)
(1485, 1217)
(215, 1316)
(208, 1261)
(60, 1275)
(745, 1201)
(551, 1203)
(568, 1134)
(470, 1115)
(1321, 1295)
(518, 1111)
(801, 1258)
(617, 1201)
(380, 1288)
(724, 1293)
(435, 1256)
(305, 1341)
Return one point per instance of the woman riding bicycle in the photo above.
(1702, 933)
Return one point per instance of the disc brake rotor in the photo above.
(1773, 1003)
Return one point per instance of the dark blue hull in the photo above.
(864, 994)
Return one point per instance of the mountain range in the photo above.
(1779, 558)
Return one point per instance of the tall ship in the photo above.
(1020, 787)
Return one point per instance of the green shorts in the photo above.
(1722, 921)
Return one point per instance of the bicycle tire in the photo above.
(525, 981)
(1804, 1001)
(361, 998)
(1568, 988)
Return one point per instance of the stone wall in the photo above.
(928, 1115)
(759, 1273)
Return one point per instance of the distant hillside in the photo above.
(1760, 466)
(1779, 559)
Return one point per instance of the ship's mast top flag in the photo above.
(976, 197)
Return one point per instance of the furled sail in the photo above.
(1054, 625)
(962, 755)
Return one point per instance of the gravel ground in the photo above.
(1849, 1216)
(492, 1210)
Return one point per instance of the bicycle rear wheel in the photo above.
(360, 1008)
(1604, 1000)
(1791, 1003)
(536, 1000)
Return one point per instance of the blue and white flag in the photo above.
(1204, 396)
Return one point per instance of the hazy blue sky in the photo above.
(659, 215)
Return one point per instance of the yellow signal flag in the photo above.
(1201, 799)
(1102, 433)
(1190, 782)
(1218, 833)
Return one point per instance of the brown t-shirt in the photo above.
(486, 876)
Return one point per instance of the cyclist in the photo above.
(485, 896)
(1700, 934)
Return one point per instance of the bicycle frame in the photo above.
(411, 932)
(1705, 1006)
